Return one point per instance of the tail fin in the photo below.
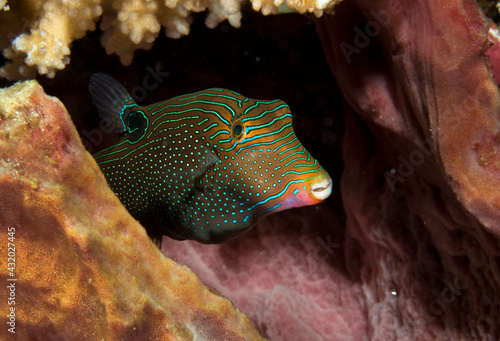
(111, 99)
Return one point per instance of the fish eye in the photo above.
(238, 131)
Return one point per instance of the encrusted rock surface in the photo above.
(421, 185)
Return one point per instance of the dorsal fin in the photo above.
(112, 100)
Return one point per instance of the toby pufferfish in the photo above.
(207, 165)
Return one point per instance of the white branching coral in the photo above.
(302, 6)
(40, 32)
(46, 46)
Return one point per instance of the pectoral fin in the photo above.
(209, 164)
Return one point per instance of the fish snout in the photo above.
(322, 189)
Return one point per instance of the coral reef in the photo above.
(79, 266)
(47, 28)
(411, 252)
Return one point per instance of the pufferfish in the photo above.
(207, 165)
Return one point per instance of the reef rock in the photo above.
(421, 185)
(79, 267)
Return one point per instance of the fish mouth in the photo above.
(322, 189)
